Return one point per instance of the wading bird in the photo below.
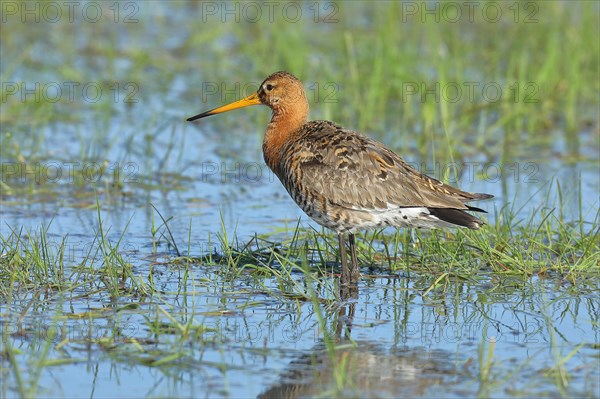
(344, 180)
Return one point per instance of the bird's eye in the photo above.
(269, 87)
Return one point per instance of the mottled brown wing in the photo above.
(353, 171)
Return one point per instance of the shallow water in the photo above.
(397, 342)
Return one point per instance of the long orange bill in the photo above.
(244, 102)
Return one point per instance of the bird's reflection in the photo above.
(364, 368)
(345, 313)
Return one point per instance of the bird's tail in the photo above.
(458, 216)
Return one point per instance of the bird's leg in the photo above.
(355, 271)
(345, 274)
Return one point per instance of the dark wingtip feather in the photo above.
(458, 217)
(482, 196)
(475, 209)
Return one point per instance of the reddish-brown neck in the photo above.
(285, 124)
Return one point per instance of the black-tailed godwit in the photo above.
(344, 180)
